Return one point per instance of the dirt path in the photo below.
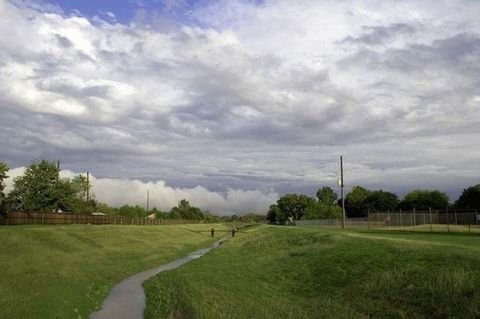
(127, 298)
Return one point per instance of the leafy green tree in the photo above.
(159, 214)
(80, 203)
(327, 196)
(381, 201)
(275, 215)
(319, 210)
(294, 205)
(355, 202)
(106, 209)
(253, 217)
(470, 198)
(424, 199)
(325, 206)
(41, 188)
(185, 211)
(132, 211)
(3, 175)
(210, 217)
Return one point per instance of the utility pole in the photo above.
(341, 191)
(148, 200)
(58, 170)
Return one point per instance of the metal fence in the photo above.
(22, 218)
(431, 220)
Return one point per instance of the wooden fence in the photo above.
(22, 218)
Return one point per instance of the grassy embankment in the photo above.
(282, 272)
(67, 271)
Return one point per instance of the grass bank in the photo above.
(67, 271)
(288, 272)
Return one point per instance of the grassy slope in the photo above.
(67, 271)
(277, 272)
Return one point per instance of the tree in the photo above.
(3, 175)
(185, 211)
(39, 188)
(424, 199)
(132, 211)
(355, 202)
(42, 188)
(275, 215)
(81, 187)
(325, 206)
(294, 205)
(327, 196)
(319, 210)
(470, 198)
(381, 201)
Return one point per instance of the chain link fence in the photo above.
(467, 220)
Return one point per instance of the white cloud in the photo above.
(118, 192)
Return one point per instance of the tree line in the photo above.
(360, 201)
(41, 188)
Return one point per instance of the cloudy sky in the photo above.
(233, 103)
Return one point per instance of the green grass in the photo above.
(67, 271)
(293, 272)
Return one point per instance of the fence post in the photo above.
(388, 217)
(430, 217)
(455, 212)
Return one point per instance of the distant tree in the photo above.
(132, 211)
(80, 203)
(319, 210)
(355, 202)
(325, 206)
(3, 175)
(294, 205)
(470, 198)
(381, 201)
(41, 188)
(185, 211)
(106, 209)
(210, 217)
(159, 214)
(253, 217)
(424, 199)
(327, 196)
(275, 215)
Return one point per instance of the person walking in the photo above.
(212, 231)
(233, 232)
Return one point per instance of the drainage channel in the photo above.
(127, 298)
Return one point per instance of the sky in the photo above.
(231, 104)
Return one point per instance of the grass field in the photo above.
(67, 271)
(293, 272)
